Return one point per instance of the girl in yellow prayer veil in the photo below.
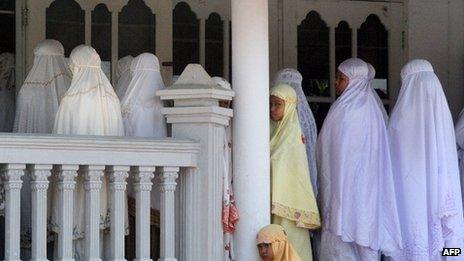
(293, 201)
(272, 243)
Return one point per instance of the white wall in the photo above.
(435, 31)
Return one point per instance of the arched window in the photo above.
(214, 50)
(186, 46)
(101, 31)
(137, 29)
(313, 55)
(65, 23)
(373, 48)
(7, 26)
(342, 42)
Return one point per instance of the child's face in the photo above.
(265, 252)
(277, 108)
(224, 104)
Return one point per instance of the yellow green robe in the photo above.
(293, 202)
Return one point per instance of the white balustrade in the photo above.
(95, 160)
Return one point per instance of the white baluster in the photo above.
(118, 176)
(167, 177)
(12, 174)
(66, 185)
(92, 186)
(39, 186)
(142, 177)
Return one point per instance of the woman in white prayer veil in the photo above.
(141, 108)
(123, 75)
(308, 125)
(89, 107)
(356, 183)
(371, 77)
(459, 130)
(229, 210)
(425, 166)
(43, 89)
(7, 91)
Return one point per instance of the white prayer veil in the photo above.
(43, 89)
(308, 125)
(459, 130)
(356, 184)
(141, 108)
(7, 91)
(425, 165)
(371, 76)
(123, 75)
(90, 106)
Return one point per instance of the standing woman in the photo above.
(141, 108)
(308, 125)
(425, 166)
(43, 89)
(123, 75)
(229, 210)
(293, 202)
(89, 107)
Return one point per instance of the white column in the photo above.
(167, 177)
(202, 42)
(114, 45)
(142, 185)
(332, 61)
(92, 186)
(66, 186)
(226, 47)
(12, 183)
(250, 71)
(118, 176)
(354, 42)
(39, 186)
(88, 27)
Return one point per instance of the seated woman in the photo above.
(273, 245)
(293, 201)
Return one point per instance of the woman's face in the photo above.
(277, 108)
(341, 82)
(265, 252)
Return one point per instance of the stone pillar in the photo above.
(39, 186)
(196, 115)
(12, 182)
(66, 186)
(250, 72)
(167, 185)
(118, 176)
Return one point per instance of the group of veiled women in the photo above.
(385, 188)
(368, 186)
(76, 98)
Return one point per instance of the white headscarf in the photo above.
(7, 91)
(371, 76)
(425, 165)
(308, 125)
(459, 130)
(43, 89)
(90, 106)
(141, 108)
(356, 183)
(123, 75)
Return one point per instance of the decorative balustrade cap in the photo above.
(195, 83)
